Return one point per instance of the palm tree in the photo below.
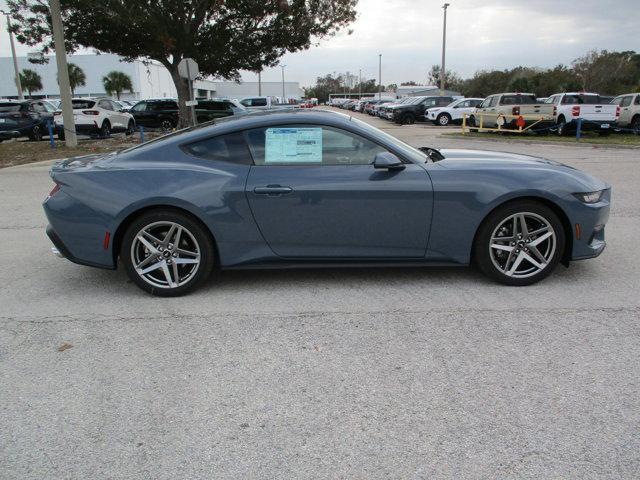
(77, 78)
(116, 82)
(30, 81)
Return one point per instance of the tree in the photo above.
(451, 79)
(608, 72)
(30, 81)
(117, 82)
(77, 78)
(223, 37)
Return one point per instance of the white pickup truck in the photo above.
(596, 114)
(629, 110)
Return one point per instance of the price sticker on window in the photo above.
(293, 145)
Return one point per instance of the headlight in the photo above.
(589, 197)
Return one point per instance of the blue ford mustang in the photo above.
(313, 188)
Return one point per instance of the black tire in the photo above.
(166, 125)
(197, 230)
(484, 258)
(472, 122)
(131, 127)
(105, 129)
(407, 119)
(61, 134)
(635, 124)
(444, 120)
(36, 133)
(561, 125)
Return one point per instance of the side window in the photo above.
(223, 148)
(259, 102)
(106, 104)
(139, 107)
(626, 101)
(475, 103)
(310, 145)
(637, 102)
(494, 101)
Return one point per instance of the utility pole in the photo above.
(63, 75)
(15, 59)
(444, 44)
(283, 98)
(379, 76)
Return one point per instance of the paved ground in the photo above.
(365, 373)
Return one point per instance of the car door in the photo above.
(625, 110)
(107, 113)
(120, 117)
(314, 193)
(140, 114)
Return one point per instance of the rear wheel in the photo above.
(166, 125)
(520, 243)
(167, 253)
(635, 124)
(561, 126)
(105, 130)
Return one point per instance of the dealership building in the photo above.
(150, 79)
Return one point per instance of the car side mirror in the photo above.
(387, 161)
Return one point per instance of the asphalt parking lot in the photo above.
(353, 373)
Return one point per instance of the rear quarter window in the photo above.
(230, 148)
(518, 100)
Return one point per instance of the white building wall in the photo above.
(149, 79)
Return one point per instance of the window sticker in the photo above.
(293, 145)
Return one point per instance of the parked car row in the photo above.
(511, 110)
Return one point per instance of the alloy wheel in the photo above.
(165, 254)
(443, 120)
(522, 245)
(166, 126)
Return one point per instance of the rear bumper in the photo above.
(60, 250)
(81, 128)
(594, 125)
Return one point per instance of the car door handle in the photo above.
(272, 190)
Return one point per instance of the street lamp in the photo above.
(379, 76)
(13, 54)
(444, 43)
(283, 98)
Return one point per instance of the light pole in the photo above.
(444, 44)
(63, 75)
(360, 83)
(283, 98)
(13, 54)
(379, 76)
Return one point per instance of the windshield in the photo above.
(407, 149)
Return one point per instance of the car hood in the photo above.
(489, 160)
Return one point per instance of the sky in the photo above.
(481, 34)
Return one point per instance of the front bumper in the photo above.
(589, 221)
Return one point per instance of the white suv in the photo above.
(453, 112)
(97, 115)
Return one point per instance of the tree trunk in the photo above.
(182, 87)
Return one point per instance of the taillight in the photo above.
(618, 111)
(515, 111)
(555, 110)
(55, 114)
(54, 190)
(575, 111)
(90, 112)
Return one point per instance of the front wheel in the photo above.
(105, 130)
(131, 127)
(444, 119)
(167, 253)
(520, 243)
(36, 133)
(407, 119)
